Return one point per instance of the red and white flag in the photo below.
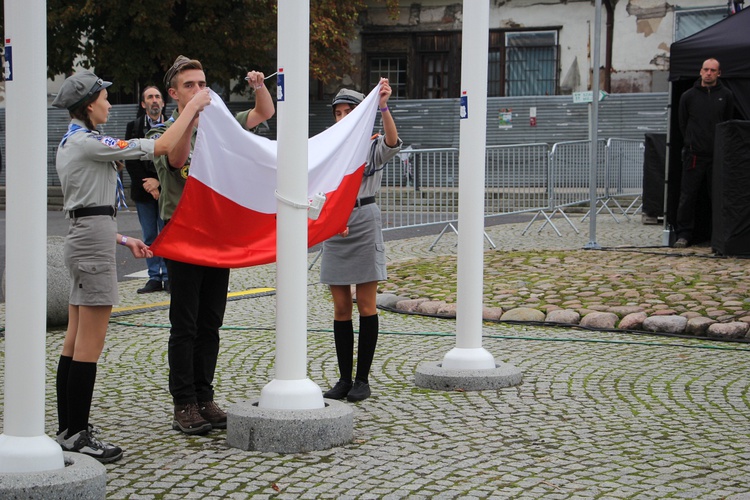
(227, 214)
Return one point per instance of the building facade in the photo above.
(536, 47)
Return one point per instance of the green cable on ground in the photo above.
(501, 337)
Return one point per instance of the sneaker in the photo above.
(360, 391)
(151, 286)
(188, 419)
(60, 437)
(215, 415)
(681, 243)
(339, 391)
(86, 443)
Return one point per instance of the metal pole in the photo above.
(23, 445)
(592, 244)
(291, 389)
(468, 353)
(666, 231)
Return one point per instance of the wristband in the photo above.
(124, 240)
(383, 110)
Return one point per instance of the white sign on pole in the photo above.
(587, 96)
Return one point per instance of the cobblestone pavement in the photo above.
(604, 415)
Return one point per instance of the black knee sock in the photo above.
(368, 339)
(343, 336)
(80, 392)
(61, 387)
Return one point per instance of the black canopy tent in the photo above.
(728, 41)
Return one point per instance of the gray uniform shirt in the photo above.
(85, 165)
(380, 153)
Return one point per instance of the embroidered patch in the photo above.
(154, 136)
(185, 171)
(113, 143)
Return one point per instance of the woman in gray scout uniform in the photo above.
(357, 257)
(88, 174)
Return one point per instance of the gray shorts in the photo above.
(90, 257)
(358, 257)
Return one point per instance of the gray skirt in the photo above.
(90, 257)
(358, 257)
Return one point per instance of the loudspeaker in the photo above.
(730, 233)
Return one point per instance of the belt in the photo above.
(361, 202)
(89, 211)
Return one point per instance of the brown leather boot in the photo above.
(187, 418)
(215, 415)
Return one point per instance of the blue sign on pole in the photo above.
(8, 61)
(280, 86)
(464, 109)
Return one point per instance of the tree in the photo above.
(133, 42)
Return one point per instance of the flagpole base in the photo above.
(253, 428)
(461, 358)
(302, 394)
(80, 477)
(433, 375)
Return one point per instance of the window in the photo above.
(495, 73)
(688, 22)
(435, 76)
(530, 63)
(393, 68)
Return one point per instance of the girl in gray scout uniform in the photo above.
(357, 257)
(86, 166)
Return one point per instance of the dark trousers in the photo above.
(696, 173)
(196, 311)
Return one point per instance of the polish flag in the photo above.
(227, 214)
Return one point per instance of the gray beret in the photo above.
(77, 88)
(349, 97)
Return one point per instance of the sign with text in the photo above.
(588, 96)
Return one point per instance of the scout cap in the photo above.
(346, 96)
(78, 88)
(177, 66)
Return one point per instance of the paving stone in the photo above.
(599, 414)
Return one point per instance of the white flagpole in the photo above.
(23, 445)
(468, 353)
(594, 127)
(291, 389)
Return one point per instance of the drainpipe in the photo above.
(610, 36)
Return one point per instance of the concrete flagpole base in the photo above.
(432, 375)
(82, 477)
(252, 428)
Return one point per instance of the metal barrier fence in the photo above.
(420, 186)
(624, 175)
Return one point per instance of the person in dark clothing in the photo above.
(145, 186)
(701, 108)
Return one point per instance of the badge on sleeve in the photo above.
(113, 143)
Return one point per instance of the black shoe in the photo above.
(167, 287)
(359, 391)
(339, 391)
(151, 286)
(85, 442)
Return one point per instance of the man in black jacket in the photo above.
(145, 187)
(702, 107)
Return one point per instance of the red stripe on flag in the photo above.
(211, 230)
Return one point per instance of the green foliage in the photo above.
(133, 42)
